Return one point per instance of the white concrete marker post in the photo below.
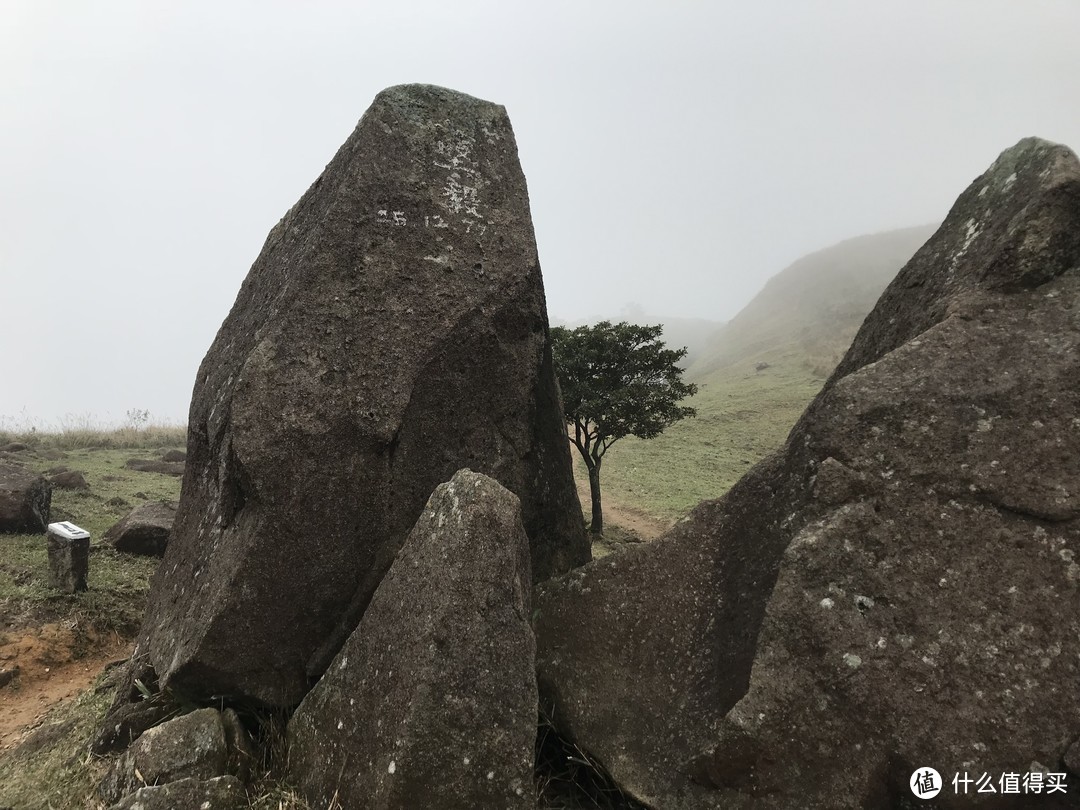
(69, 556)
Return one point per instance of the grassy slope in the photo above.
(742, 417)
(815, 305)
(118, 582)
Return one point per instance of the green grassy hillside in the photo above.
(799, 326)
(742, 417)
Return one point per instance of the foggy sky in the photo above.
(677, 153)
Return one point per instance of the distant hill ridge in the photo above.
(814, 306)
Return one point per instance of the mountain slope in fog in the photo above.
(801, 323)
(814, 307)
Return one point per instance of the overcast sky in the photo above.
(677, 153)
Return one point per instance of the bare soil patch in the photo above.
(56, 662)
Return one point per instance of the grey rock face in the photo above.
(220, 793)
(641, 654)
(936, 619)
(192, 746)
(24, 501)
(242, 754)
(145, 530)
(432, 702)
(920, 528)
(392, 331)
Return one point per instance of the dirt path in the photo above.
(54, 664)
(626, 517)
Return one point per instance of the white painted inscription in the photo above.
(461, 190)
(460, 193)
(384, 216)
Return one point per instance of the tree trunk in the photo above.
(597, 526)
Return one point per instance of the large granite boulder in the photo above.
(908, 556)
(392, 331)
(640, 654)
(24, 500)
(145, 530)
(432, 702)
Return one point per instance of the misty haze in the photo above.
(342, 466)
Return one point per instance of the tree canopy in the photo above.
(617, 380)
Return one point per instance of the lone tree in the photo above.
(617, 380)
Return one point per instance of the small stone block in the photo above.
(69, 556)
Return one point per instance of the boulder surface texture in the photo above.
(219, 793)
(393, 331)
(432, 701)
(25, 498)
(192, 746)
(145, 530)
(901, 576)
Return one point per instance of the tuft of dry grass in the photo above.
(80, 432)
(568, 778)
(278, 797)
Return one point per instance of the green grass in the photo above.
(743, 416)
(118, 583)
(614, 539)
(51, 768)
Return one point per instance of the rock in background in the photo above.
(432, 701)
(920, 527)
(154, 466)
(392, 331)
(145, 530)
(69, 479)
(24, 501)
